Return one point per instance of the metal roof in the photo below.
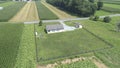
(54, 27)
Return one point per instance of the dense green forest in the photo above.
(83, 8)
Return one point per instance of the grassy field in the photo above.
(80, 64)
(5, 4)
(112, 6)
(27, 55)
(107, 31)
(102, 13)
(10, 36)
(10, 11)
(51, 46)
(44, 13)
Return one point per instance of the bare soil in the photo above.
(61, 14)
(27, 13)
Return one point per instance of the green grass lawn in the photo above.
(71, 43)
(44, 13)
(102, 13)
(108, 32)
(80, 64)
(10, 36)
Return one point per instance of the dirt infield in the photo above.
(27, 13)
(61, 14)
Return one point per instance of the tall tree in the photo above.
(99, 5)
(91, 1)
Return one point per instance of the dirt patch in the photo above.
(96, 61)
(27, 13)
(61, 14)
(99, 64)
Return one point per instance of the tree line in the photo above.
(83, 8)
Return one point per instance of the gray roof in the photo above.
(54, 27)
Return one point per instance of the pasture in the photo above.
(10, 36)
(44, 13)
(9, 11)
(66, 44)
(107, 31)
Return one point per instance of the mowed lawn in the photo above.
(10, 36)
(51, 46)
(108, 32)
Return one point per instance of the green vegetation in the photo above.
(80, 64)
(44, 13)
(9, 11)
(51, 46)
(10, 36)
(5, 4)
(80, 7)
(112, 6)
(27, 54)
(102, 13)
(108, 32)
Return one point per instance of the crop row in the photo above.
(9, 11)
(10, 36)
(44, 13)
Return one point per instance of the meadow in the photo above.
(9, 11)
(44, 13)
(107, 31)
(80, 64)
(10, 36)
(66, 44)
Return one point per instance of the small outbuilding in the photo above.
(54, 28)
(78, 25)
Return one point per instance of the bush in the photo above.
(91, 17)
(107, 19)
(118, 27)
(40, 23)
(96, 18)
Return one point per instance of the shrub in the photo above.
(107, 19)
(91, 17)
(118, 27)
(40, 23)
(96, 18)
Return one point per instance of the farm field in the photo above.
(45, 13)
(10, 35)
(107, 31)
(112, 6)
(26, 54)
(63, 46)
(5, 4)
(7, 13)
(27, 13)
(61, 14)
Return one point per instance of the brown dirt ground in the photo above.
(61, 14)
(97, 62)
(27, 13)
